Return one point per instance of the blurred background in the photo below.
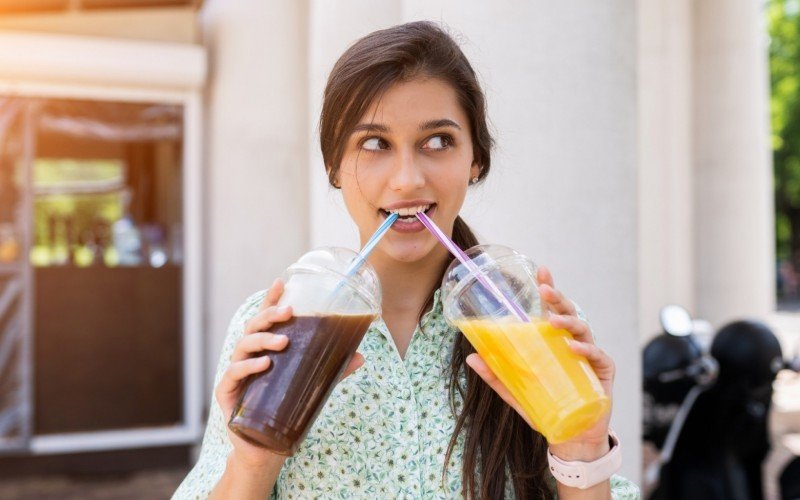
(159, 162)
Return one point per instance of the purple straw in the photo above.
(509, 304)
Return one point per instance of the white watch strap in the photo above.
(584, 475)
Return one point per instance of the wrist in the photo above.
(588, 472)
(584, 451)
(245, 464)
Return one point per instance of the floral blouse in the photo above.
(382, 434)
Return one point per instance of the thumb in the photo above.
(355, 363)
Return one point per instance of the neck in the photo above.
(407, 285)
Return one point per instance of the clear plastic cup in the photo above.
(331, 313)
(556, 388)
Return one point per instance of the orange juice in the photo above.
(556, 388)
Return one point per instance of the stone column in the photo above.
(665, 159)
(733, 230)
(256, 151)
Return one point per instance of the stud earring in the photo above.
(474, 180)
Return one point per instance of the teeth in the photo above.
(409, 211)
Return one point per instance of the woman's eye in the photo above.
(374, 144)
(438, 142)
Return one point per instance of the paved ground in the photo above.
(156, 484)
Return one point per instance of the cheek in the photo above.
(359, 197)
(363, 183)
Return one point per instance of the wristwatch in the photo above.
(583, 475)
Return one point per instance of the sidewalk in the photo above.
(152, 484)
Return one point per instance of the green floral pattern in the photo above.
(382, 434)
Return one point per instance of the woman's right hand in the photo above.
(248, 358)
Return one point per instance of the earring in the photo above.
(474, 180)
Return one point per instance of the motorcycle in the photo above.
(785, 430)
(706, 409)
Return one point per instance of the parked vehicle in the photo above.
(706, 412)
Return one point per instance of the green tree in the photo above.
(783, 17)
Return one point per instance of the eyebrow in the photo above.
(443, 122)
(432, 124)
(370, 127)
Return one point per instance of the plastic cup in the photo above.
(556, 388)
(331, 313)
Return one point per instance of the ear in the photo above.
(475, 170)
(335, 180)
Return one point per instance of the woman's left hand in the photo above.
(593, 443)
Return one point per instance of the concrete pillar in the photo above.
(733, 231)
(666, 248)
(256, 152)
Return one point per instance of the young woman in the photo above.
(403, 127)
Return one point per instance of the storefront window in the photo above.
(91, 231)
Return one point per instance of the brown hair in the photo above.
(498, 442)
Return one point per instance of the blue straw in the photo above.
(364, 253)
(371, 244)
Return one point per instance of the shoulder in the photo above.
(235, 331)
(624, 489)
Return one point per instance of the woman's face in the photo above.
(411, 150)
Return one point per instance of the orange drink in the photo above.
(556, 388)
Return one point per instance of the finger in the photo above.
(485, 372)
(240, 370)
(273, 294)
(356, 362)
(258, 342)
(544, 277)
(265, 318)
(558, 303)
(601, 363)
(577, 327)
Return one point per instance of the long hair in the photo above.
(498, 442)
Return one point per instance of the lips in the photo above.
(408, 222)
(408, 214)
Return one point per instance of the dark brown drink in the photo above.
(278, 406)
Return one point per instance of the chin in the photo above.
(410, 252)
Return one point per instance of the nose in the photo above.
(407, 174)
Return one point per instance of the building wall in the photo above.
(256, 153)
(635, 193)
(705, 170)
(157, 24)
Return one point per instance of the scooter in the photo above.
(785, 429)
(676, 369)
(706, 410)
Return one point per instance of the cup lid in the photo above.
(508, 268)
(334, 263)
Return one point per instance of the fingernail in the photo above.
(280, 336)
(283, 309)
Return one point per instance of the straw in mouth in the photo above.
(510, 304)
(371, 244)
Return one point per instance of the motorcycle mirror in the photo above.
(794, 363)
(676, 320)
